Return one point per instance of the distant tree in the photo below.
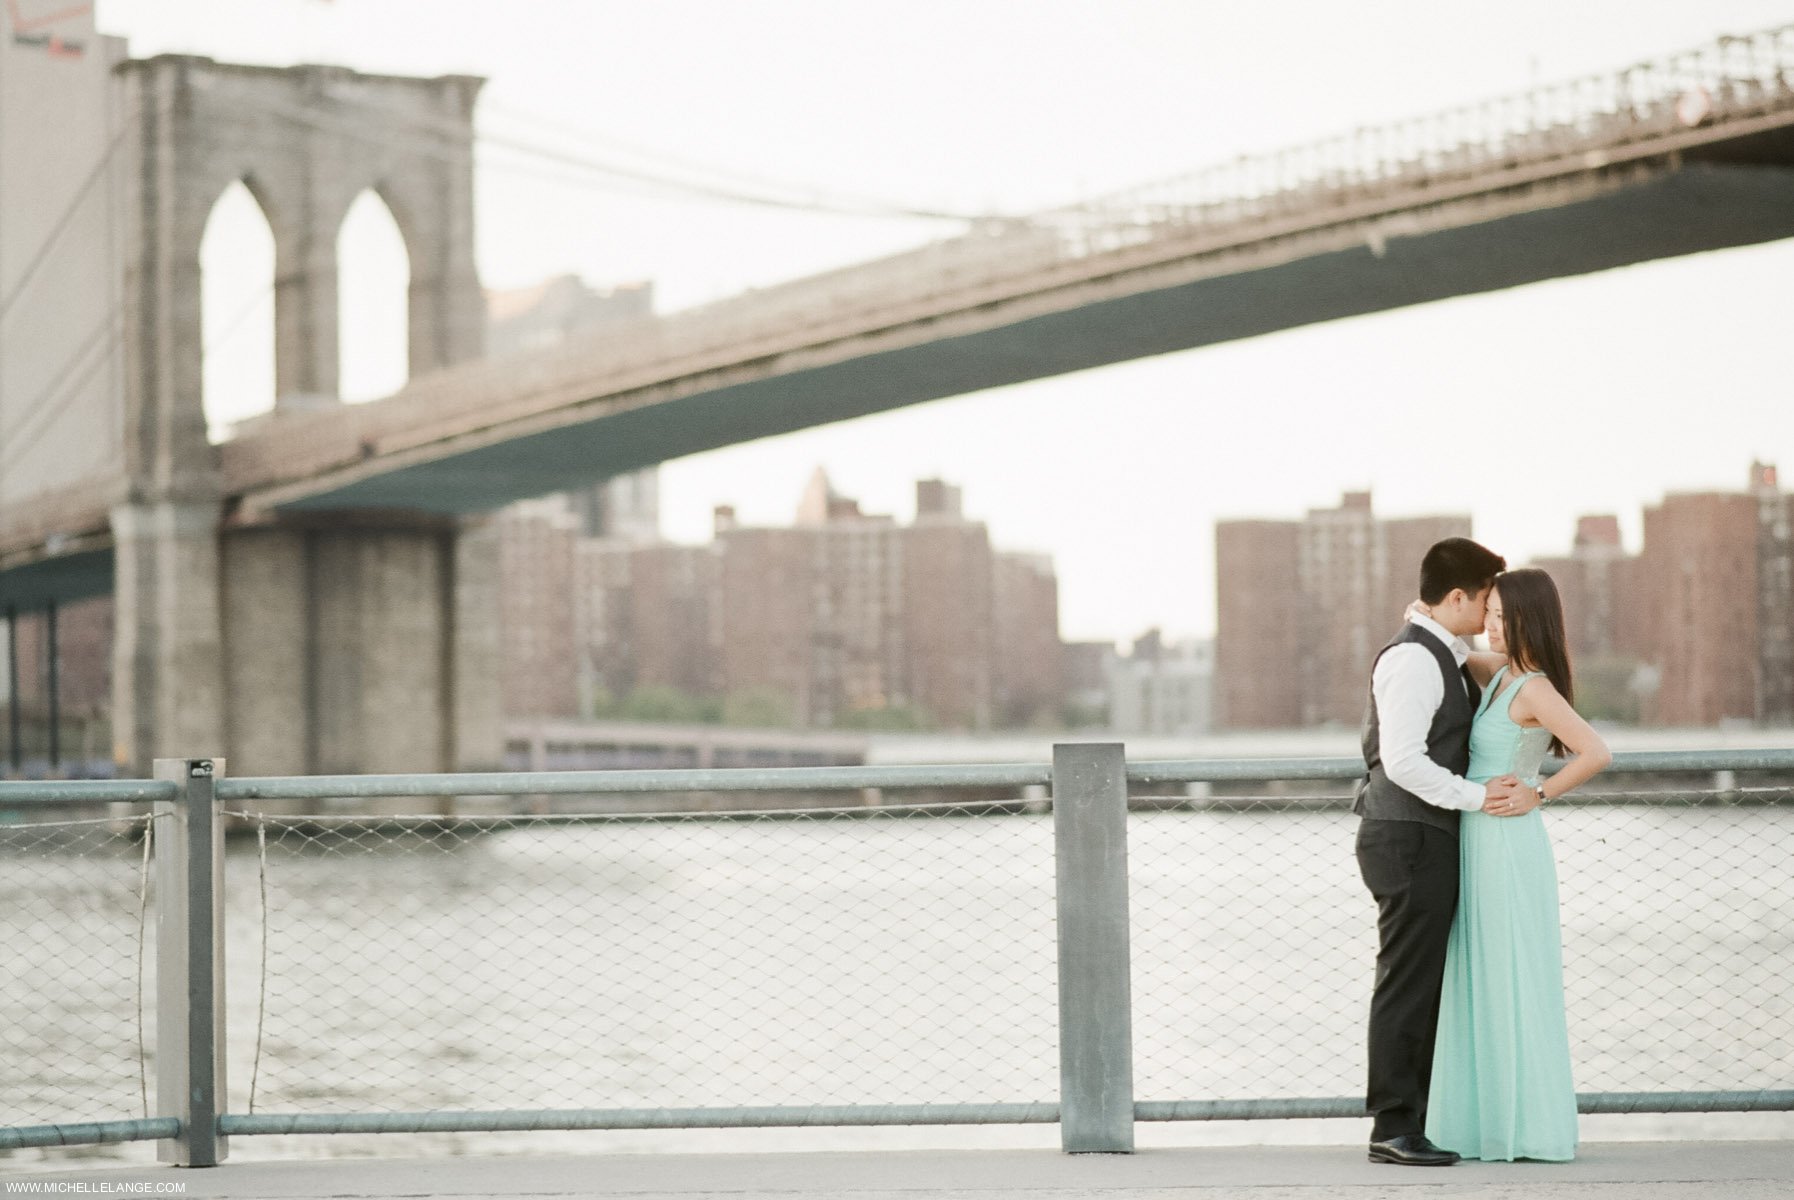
(668, 706)
(759, 708)
(1607, 689)
(1028, 713)
(889, 718)
(1075, 715)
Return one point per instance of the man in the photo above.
(1417, 750)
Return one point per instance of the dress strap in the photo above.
(1519, 682)
(1489, 692)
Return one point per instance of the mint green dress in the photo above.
(1501, 1086)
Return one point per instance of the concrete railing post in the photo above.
(190, 963)
(1096, 1057)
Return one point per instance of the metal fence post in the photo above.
(53, 687)
(190, 963)
(15, 745)
(1096, 1058)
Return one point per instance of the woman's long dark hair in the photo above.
(1532, 621)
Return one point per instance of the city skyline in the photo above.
(838, 617)
(1640, 658)
(1574, 382)
(1694, 630)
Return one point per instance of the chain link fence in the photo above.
(817, 957)
(75, 966)
(1255, 943)
(1678, 960)
(699, 966)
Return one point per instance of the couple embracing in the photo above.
(1469, 1050)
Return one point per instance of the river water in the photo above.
(836, 959)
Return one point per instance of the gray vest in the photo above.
(1447, 743)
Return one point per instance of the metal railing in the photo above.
(1155, 941)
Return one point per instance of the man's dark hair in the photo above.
(1457, 563)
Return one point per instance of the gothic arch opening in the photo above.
(373, 302)
(236, 265)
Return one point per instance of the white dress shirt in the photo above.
(1409, 689)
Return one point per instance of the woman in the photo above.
(1501, 1086)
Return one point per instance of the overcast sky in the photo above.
(1522, 408)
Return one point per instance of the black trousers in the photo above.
(1412, 870)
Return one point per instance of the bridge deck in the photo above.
(529, 439)
(1664, 159)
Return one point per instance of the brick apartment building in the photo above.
(1696, 630)
(1259, 613)
(1303, 606)
(1706, 609)
(1775, 597)
(843, 617)
(1604, 601)
(1029, 675)
(852, 615)
(536, 609)
(1699, 568)
(645, 616)
(1716, 582)
(813, 612)
(949, 617)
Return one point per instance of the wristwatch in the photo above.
(1540, 789)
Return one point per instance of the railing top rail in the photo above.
(1267, 769)
(55, 792)
(1242, 770)
(730, 779)
(1642, 761)
(796, 779)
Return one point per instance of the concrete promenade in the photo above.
(1617, 1170)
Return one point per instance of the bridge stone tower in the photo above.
(343, 644)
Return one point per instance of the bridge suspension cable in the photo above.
(42, 254)
(235, 325)
(63, 387)
(730, 177)
(592, 171)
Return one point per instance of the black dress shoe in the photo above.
(1411, 1150)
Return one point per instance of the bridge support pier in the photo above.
(338, 649)
(167, 657)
